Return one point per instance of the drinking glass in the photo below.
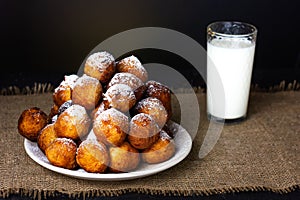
(230, 55)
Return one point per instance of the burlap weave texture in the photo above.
(259, 154)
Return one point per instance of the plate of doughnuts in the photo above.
(109, 123)
(183, 144)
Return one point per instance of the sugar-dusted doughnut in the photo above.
(136, 84)
(63, 92)
(154, 108)
(73, 123)
(119, 96)
(124, 158)
(144, 131)
(134, 66)
(163, 149)
(111, 127)
(87, 92)
(92, 156)
(161, 92)
(62, 153)
(100, 65)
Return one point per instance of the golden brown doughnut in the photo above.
(87, 92)
(92, 156)
(161, 92)
(31, 122)
(124, 158)
(100, 65)
(63, 92)
(73, 123)
(119, 96)
(154, 108)
(62, 152)
(111, 127)
(136, 84)
(46, 136)
(163, 149)
(133, 65)
(144, 131)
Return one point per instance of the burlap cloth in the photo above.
(259, 154)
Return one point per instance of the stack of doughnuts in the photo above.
(108, 120)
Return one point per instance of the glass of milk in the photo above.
(230, 54)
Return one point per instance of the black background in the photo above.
(41, 41)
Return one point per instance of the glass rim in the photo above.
(253, 28)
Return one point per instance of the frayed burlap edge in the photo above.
(41, 194)
(37, 88)
(40, 88)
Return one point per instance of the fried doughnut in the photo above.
(62, 152)
(63, 92)
(144, 131)
(100, 65)
(124, 158)
(136, 84)
(162, 92)
(87, 92)
(163, 149)
(73, 123)
(132, 65)
(119, 96)
(31, 122)
(111, 127)
(154, 108)
(46, 136)
(92, 156)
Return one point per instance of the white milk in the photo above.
(232, 63)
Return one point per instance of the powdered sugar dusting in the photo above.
(66, 141)
(133, 61)
(154, 108)
(155, 87)
(126, 78)
(120, 90)
(150, 103)
(68, 82)
(101, 60)
(135, 67)
(86, 80)
(143, 119)
(93, 142)
(77, 111)
(114, 115)
(120, 96)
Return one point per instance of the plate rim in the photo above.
(81, 174)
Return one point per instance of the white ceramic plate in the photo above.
(183, 143)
